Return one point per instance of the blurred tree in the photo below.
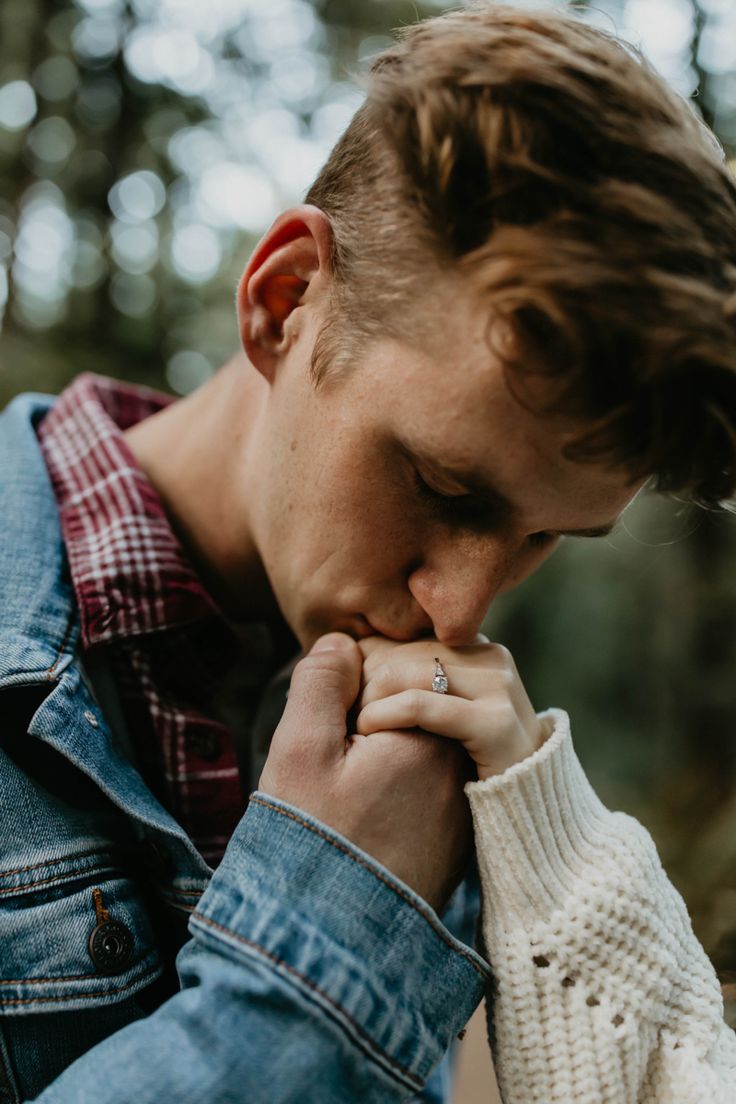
(142, 148)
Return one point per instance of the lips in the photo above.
(363, 629)
(400, 636)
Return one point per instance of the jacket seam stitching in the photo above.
(63, 977)
(73, 874)
(372, 1045)
(376, 874)
(78, 996)
(51, 862)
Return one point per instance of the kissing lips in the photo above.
(401, 637)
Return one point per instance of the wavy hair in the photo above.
(550, 165)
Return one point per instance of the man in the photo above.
(507, 302)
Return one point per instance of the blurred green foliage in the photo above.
(146, 144)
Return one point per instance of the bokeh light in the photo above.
(134, 296)
(137, 197)
(187, 370)
(56, 78)
(196, 253)
(52, 141)
(177, 131)
(17, 105)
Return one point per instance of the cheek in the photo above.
(344, 513)
(370, 507)
(376, 539)
(343, 526)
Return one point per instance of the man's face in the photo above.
(369, 513)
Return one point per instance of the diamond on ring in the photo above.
(439, 682)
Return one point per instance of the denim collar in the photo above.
(39, 632)
(39, 627)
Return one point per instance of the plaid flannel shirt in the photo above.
(164, 638)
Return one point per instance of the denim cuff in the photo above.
(360, 946)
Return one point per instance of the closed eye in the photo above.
(542, 540)
(458, 507)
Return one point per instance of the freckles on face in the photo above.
(337, 541)
(344, 526)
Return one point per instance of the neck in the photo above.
(196, 454)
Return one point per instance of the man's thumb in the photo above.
(334, 641)
(324, 686)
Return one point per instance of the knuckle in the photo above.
(376, 649)
(385, 678)
(320, 662)
(501, 679)
(505, 679)
(327, 670)
(413, 699)
(503, 655)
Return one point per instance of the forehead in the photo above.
(452, 401)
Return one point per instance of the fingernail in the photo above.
(332, 642)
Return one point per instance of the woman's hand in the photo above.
(398, 796)
(486, 707)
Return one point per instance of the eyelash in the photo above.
(463, 508)
(450, 507)
(541, 540)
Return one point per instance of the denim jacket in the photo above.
(299, 970)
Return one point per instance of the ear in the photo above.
(290, 266)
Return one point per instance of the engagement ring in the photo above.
(439, 682)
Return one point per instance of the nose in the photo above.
(456, 584)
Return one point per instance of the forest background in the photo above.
(144, 147)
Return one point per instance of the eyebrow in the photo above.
(477, 485)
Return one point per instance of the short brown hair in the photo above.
(548, 162)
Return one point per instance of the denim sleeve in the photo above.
(312, 974)
(461, 917)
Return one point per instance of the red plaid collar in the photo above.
(130, 573)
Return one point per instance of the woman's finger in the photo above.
(443, 714)
(378, 650)
(491, 733)
(465, 681)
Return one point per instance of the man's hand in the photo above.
(397, 795)
(486, 707)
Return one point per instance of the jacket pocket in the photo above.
(74, 934)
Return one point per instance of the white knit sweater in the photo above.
(603, 994)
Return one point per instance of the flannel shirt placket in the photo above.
(140, 599)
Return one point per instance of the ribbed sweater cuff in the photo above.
(539, 828)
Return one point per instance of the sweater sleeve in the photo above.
(603, 995)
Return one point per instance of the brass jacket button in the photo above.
(111, 946)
